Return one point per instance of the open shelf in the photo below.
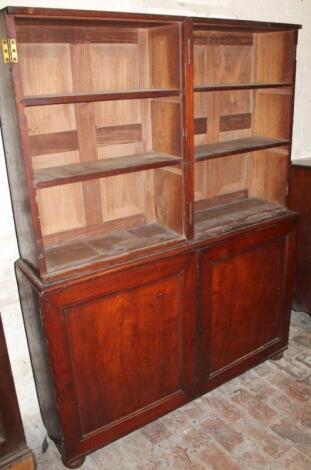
(71, 98)
(236, 146)
(106, 246)
(88, 170)
(224, 218)
(239, 86)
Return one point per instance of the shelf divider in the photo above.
(237, 146)
(76, 172)
(239, 86)
(71, 98)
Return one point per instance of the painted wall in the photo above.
(289, 11)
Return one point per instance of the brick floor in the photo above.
(260, 420)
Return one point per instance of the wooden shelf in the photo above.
(237, 146)
(75, 172)
(232, 216)
(71, 98)
(239, 86)
(107, 245)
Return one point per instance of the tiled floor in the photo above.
(261, 420)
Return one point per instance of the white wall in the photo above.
(289, 11)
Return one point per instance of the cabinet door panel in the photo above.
(245, 303)
(131, 354)
(244, 310)
(124, 355)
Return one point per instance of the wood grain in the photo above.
(232, 122)
(226, 217)
(97, 96)
(200, 125)
(255, 268)
(85, 119)
(277, 48)
(73, 34)
(224, 198)
(94, 169)
(107, 245)
(219, 38)
(67, 141)
(240, 86)
(238, 146)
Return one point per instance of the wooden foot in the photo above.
(45, 445)
(277, 357)
(74, 463)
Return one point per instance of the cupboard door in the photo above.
(245, 286)
(126, 349)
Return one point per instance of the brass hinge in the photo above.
(9, 51)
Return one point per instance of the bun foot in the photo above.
(277, 357)
(74, 463)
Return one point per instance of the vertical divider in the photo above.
(85, 120)
(188, 125)
(143, 61)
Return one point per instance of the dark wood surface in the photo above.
(199, 21)
(189, 126)
(13, 447)
(237, 121)
(24, 209)
(134, 312)
(300, 201)
(235, 147)
(148, 367)
(252, 269)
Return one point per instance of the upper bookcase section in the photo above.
(122, 58)
(98, 120)
(243, 58)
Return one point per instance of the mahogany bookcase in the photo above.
(148, 161)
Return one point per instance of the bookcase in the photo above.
(103, 110)
(148, 162)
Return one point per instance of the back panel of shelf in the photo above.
(243, 57)
(85, 56)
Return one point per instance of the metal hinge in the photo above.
(9, 51)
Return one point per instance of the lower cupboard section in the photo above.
(114, 351)
(245, 291)
(121, 349)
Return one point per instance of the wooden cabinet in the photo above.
(14, 452)
(244, 297)
(148, 161)
(121, 348)
(299, 200)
